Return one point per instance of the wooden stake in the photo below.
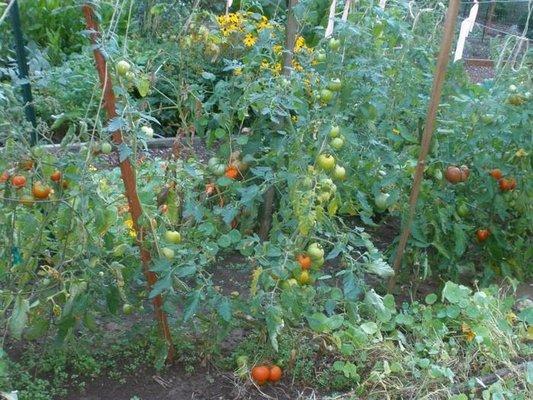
(128, 176)
(438, 82)
(291, 29)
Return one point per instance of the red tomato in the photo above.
(453, 174)
(56, 176)
(261, 374)
(18, 181)
(496, 173)
(304, 260)
(275, 373)
(482, 234)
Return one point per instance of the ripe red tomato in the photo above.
(4, 177)
(56, 176)
(232, 172)
(304, 260)
(496, 173)
(18, 181)
(275, 373)
(261, 374)
(40, 191)
(482, 234)
(507, 184)
(453, 174)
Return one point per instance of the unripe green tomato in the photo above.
(315, 251)
(339, 172)
(242, 361)
(337, 143)
(213, 162)
(127, 309)
(334, 131)
(168, 253)
(219, 170)
(381, 201)
(335, 85)
(148, 131)
(462, 210)
(334, 44)
(106, 148)
(123, 67)
(326, 96)
(319, 262)
(173, 237)
(326, 162)
(321, 56)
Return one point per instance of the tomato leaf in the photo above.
(275, 324)
(19, 317)
(191, 305)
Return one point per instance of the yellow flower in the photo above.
(294, 118)
(277, 68)
(277, 48)
(264, 64)
(92, 168)
(299, 44)
(469, 333)
(263, 24)
(521, 153)
(395, 131)
(511, 317)
(297, 66)
(129, 224)
(237, 71)
(249, 40)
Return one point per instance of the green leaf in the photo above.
(454, 293)
(431, 298)
(19, 317)
(224, 309)
(275, 324)
(192, 304)
(460, 240)
(124, 152)
(162, 284)
(370, 328)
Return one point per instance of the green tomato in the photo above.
(213, 162)
(307, 183)
(127, 309)
(326, 162)
(463, 210)
(437, 173)
(219, 169)
(334, 131)
(487, 118)
(242, 361)
(381, 201)
(321, 56)
(287, 284)
(327, 185)
(335, 85)
(337, 143)
(318, 262)
(334, 44)
(324, 197)
(315, 251)
(339, 172)
(123, 67)
(106, 148)
(168, 253)
(148, 131)
(173, 237)
(326, 96)
(513, 88)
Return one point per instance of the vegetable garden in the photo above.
(302, 199)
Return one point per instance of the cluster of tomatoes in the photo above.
(313, 258)
(505, 184)
(334, 85)
(39, 191)
(454, 174)
(232, 170)
(262, 374)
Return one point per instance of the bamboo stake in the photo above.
(438, 82)
(291, 29)
(128, 176)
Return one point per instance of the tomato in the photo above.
(275, 374)
(163, 208)
(326, 162)
(304, 260)
(315, 251)
(334, 44)
(123, 67)
(148, 131)
(462, 210)
(339, 172)
(437, 174)
(334, 131)
(18, 181)
(4, 177)
(337, 143)
(26, 200)
(261, 374)
(516, 99)
(326, 96)
(321, 56)
(106, 148)
(513, 88)
(453, 174)
(173, 237)
(40, 191)
(324, 197)
(381, 201)
(482, 234)
(487, 118)
(26, 165)
(304, 278)
(319, 262)
(496, 173)
(241, 361)
(289, 283)
(56, 176)
(127, 309)
(168, 253)
(219, 170)
(232, 172)
(212, 163)
(335, 85)
(465, 173)
(507, 184)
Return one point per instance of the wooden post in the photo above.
(291, 29)
(128, 176)
(438, 82)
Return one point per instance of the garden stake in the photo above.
(438, 81)
(128, 176)
(290, 39)
(29, 110)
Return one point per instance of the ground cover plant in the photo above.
(316, 139)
